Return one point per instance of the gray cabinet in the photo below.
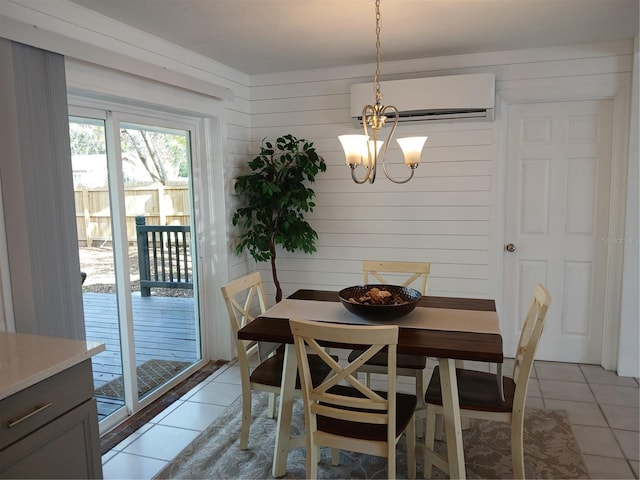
(50, 430)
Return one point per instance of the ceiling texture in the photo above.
(270, 36)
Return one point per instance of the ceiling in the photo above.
(268, 36)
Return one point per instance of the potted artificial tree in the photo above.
(275, 198)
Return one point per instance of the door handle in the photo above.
(510, 247)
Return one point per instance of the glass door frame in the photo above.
(113, 118)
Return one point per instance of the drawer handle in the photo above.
(37, 410)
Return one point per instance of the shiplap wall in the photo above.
(451, 213)
(442, 215)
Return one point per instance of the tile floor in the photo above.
(603, 409)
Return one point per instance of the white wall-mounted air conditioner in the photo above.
(456, 97)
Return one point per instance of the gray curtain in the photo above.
(37, 192)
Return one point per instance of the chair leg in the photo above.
(313, 458)
(367, 379)
(246, 420)
(411, 449)
(500, 381)
(429, 440)
(271, 409)
(391, 458)
(517, 444)
(335, 457)
(420, 392)
(439, 427)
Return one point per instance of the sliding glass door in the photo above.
(136, 230)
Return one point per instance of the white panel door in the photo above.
(558, 174)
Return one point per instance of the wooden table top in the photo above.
(484, 347)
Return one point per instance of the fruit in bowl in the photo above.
(379, 302)
(376, 296)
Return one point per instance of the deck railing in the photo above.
(164, 256)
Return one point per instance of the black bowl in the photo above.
(379, 312)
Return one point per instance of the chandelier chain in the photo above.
(377, 74)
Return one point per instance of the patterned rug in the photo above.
(551, 450)
(150, 374)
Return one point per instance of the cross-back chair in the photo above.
(382, 270)
(409, 274)
(343, 413)
(480, 397)
(245, 300)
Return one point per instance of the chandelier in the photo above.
(365, 150)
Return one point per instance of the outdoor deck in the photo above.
(164, 329)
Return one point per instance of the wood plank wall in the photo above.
(442, 215)
(450, 214)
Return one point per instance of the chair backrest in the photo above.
(245, 300)
(417, 270)
(317, 398)
(529, 339)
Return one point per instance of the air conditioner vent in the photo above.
(457, 97)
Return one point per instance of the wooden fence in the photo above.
(159, 204)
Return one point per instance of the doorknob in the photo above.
(510, 247)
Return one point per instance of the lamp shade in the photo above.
(412, 149)
(355, 148)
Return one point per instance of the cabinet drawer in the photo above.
(65, 448)
(31, 408)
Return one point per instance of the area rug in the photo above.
(551, 450)
(150, 374)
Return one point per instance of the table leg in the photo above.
(465, 421)
(452, 422)
(281, 451)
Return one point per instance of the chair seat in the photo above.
(405, 407)
(476, 390)
(269, 372)
(413, 362)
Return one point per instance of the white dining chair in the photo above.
(480, 398)
(406, 274)
(245, 300)
(343, 413)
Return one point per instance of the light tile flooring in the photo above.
(603, 409)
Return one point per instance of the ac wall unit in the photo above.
(456, 97)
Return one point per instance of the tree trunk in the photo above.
(276, 282)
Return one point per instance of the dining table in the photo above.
(447, 328)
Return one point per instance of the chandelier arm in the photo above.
(398, 181)
(367, 177)
(394, 110)
(367, 112)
